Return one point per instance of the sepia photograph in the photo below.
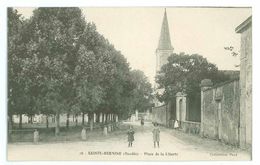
(129, 83)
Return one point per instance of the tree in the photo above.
(19, 98)
(142, 92)
(93, 71)
(183, 73)
(53, 39)
(89, 91)
(118, 86)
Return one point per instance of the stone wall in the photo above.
(161, 115)
(191, 127)
(220, 112)
(245, 29)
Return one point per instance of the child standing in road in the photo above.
(130, 134)
(156, 135)
(142, 122)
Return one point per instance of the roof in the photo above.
(232, 74)
(244, 25)
(165, 39)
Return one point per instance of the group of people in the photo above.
(155, 131)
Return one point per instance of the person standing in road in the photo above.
(156, 135)
(130, 134)
(142, 122)
(176, 124)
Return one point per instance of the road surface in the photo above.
(174, 145)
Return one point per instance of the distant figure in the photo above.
(130, 134)
(84, 134)
(156, 135)
(142, 121)
(176, 124)
(36, 136)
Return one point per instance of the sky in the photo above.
(135, 32)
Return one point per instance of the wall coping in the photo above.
(160, 106)
(180, 94)
(244, 25)
(192, 122)
(221, 84)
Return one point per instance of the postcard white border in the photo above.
(129, 3)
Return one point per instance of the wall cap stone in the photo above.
(244, 25)
(181, 94)
(206, 83)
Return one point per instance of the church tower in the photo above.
(164, 49)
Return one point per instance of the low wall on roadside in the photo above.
(191, 127)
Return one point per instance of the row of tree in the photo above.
(59, 63)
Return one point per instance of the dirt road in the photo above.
(174, 145)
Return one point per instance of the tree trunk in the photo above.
(97, 117)
(10, 123)
(107, 118)
(91, 121)
(67, 121)
(89, 117)
(57, 128)
(47, 121)
(83, 118)
(20, 121)
(31, 119)
(101, 117)
(76, 116)
(104, 118)
(116, 117)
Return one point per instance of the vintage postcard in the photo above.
(129, 83)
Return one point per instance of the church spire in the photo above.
(165, 39)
